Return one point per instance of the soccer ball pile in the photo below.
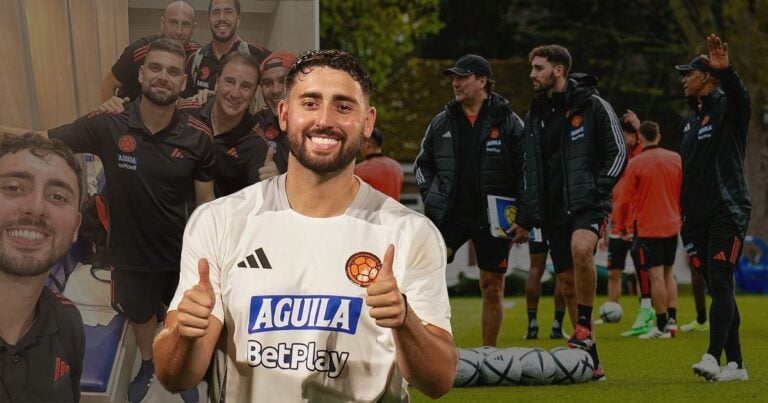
(522, 366)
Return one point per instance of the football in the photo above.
(538, 367)
(586, 365)
(501, 367)
(567, 365)
(468, 371)
(610, 312)
(484, 350)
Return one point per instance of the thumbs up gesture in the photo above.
(194, 311)
(270, 168)
(388, 305)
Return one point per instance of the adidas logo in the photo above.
(447, 135)
(721, 256)
(61, 369)
(256, 260)
(176, 153)
(232, 152)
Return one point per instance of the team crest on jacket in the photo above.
(705, 120)
(494, 133)
(205, 72)
(126, 143)
(576, 121)
(362, 268)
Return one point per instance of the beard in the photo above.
(159, 99)
(350, 148)
(225, 37)
(39, 262)
(544, 86)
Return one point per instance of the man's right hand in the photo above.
(114, 105)
(519, 234)
(202, 96)
(194, 311)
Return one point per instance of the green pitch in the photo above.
(636, 370)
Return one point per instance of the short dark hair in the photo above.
(243, 58)
(627, 127)
(335, 59)
(649, 130)
(40, 147)
(377, 137)
(237, 6)
(555, 54)
(167, 45)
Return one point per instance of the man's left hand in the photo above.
(388, 306)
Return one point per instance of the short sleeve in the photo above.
(82, 135)
(204, 171)
(424, 282)
(200, 241)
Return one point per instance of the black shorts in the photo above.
(538, 247)
(139, 295)
(718, 243)
(491, 252)
(617, 253)
(654, 252)
(560, 237)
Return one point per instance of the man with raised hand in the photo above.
(177, 23)
(714, 197)
(329, 321)
(42, 341)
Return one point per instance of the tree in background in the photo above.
(382, 33)
(744, 26)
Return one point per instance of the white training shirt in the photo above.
(297, 324)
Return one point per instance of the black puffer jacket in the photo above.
(714, 139)
(592, 148)
(500, 162)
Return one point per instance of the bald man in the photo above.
(178, 23)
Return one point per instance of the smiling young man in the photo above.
(308, 272)
(714, 197)
(156, 162)
(204, 66)
(42, 341)
(471, 150)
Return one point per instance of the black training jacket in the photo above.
(592, 147)
(500, 165)
(714, 138)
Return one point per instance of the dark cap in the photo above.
(470, 64)
(698, 63)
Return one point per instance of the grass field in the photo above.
(636, 370)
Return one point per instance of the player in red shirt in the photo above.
(378, 170)
(652, 190)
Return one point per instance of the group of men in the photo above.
(562, 165)
(375, 318)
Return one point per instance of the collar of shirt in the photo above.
(44, 324)
(135, 121)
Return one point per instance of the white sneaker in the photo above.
(694, 325)
(655, 333)
(732, 372)
(708, 368)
